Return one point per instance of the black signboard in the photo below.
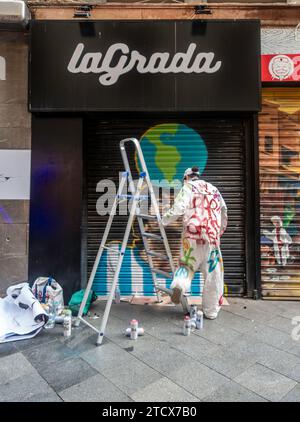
(145, 65)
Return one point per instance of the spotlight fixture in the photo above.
(83, 11)
(202, 9)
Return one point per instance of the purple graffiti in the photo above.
(5, 216)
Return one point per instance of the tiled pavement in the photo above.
(247, 354)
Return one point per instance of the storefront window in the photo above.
(279, 140)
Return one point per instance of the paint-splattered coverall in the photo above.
(204, 221)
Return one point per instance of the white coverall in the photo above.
(204, 221)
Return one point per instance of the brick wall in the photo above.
(15, 133)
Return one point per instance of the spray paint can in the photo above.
(187, 326)
(140, 331)
(199, 320)
(134, 325)
(193, 311)
(67, 324)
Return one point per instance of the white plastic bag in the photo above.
(45, 288)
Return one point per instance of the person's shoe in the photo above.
(211, 316)
(176, 295)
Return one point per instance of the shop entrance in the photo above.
(170, 145)
(279, 167)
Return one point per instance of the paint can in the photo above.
(193, 311)
(199, 320)
(134, 325)
(187, 325)
(67, 324)
(141, 331)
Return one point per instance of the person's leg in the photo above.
(189, 262)
(213, 272)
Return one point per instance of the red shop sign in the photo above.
(280, 67)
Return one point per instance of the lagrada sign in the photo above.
(150, 65)
(158, 62)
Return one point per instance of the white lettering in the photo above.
(185, 59)
(2, 68)
(81, 62)
(112, 74)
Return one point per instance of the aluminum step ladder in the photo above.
(136, 196)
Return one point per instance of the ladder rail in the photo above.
(134, 212)
(119, 264)
(132, 190)
(151, 191)
(155, 205)
(100, 250)
(150, 260)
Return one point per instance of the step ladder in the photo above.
(136, 196)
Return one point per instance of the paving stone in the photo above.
(290, 310)
(198, 379)
(44, 336)
(163, 390)
(163, 358)
(81, 340)
(281, 323)
(251, 312)
(30, 387)
(294, 373)
(7, 349)
(163, 330)
(48, 353)
(236, 322)
(194, 345)
(64, 374)
(47, 396)
(269, 335)
(94, 389)
(250, 349)
(265, 382)
(14, 366)
(285, 363)
(233, 392)
(163, 363)
(132, 376)
(293, 395)
(217, 333)
(107, 356)
(226, 362)
(294, 348)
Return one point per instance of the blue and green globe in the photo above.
(169, 149)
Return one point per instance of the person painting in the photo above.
(204, 221)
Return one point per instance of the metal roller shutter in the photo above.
(279, 149)
(170, 146)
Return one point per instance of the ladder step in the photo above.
(164, 273)
(109, 248)
(147, 217)
(152, 236)
(157, 255)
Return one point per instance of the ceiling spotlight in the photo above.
(202, 9)
(83, 11)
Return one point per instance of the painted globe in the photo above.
(169, 149)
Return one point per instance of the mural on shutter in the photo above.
(169, 147)
(279, 161)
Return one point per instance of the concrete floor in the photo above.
(247, 354)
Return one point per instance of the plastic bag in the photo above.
(76, 300)
(45, 288)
